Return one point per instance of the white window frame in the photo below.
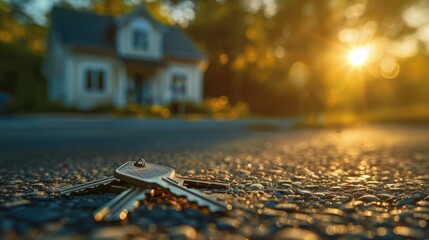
(143, 42)
(95, 68)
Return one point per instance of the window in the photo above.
(140, 40)
(178, 85)
(95, 80)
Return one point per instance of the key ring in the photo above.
(140, 163)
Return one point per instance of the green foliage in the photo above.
(20, 77)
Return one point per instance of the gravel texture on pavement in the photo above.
(368, 182)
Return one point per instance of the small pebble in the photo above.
(227, 223)
(119, 232)
(288, 207)
(183, 232)
(369, 198)
(256, 186)
(296, 234)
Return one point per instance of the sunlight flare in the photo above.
(358, 56)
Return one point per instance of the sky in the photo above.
(38, 9)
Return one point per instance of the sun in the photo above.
(358, 56)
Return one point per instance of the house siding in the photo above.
(68, 86)
(53, 68)
(194, 80)
(110, 96)
(121, 93)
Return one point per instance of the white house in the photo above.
(94, 60)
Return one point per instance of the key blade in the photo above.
(193, 195)
(100, 213)
(121, 206)
(116, 187)
(80, 188)
(127, 205)
(197, 183)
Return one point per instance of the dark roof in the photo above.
(83, 28)
(86, 29)
(177, 44)
(141, 11)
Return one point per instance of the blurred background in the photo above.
(327, 62)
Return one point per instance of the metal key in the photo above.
(150, 175)
(115, 187)
(120, 206)
(83, 187)
(197, 183)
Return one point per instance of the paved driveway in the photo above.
(364, 182)
(38, 137)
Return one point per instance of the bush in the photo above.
(20, 77)
(188, 107)
(140, 110)
(221, 108)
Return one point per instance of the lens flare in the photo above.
(358, 56)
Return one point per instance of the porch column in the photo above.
(69, 78)
(199, 86)
(121, 95)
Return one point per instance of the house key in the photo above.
(197, 183)
(92, 185)
(120, 206)
(149, 175)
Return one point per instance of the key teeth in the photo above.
(77, 192)
(212, 208)
(87, 186)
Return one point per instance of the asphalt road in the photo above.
(37, 137)
(363, 182)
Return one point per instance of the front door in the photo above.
(144, 90)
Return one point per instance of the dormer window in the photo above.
(140, 40)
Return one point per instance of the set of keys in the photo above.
(136, 180)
